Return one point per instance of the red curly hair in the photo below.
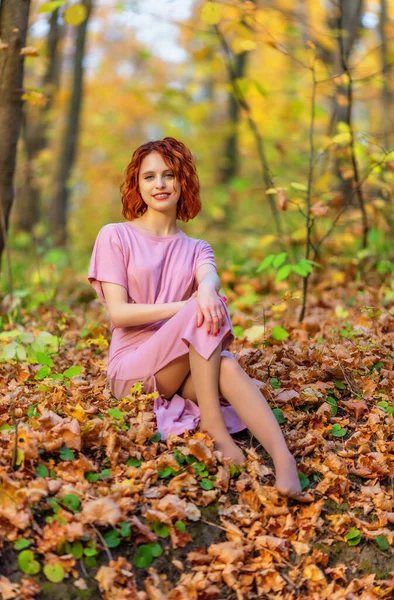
(177, 157)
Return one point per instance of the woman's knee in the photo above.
(228, 366)
(170, 377)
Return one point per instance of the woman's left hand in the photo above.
(210, 309)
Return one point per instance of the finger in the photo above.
(200, 316)
(208, 319)
(223, 316)
(215, 319)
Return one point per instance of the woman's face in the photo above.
(156, 178)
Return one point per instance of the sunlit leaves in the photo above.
(211, 13)
(54, 572)
(75, 14)
(51, 6)
(278, 333)
(27, 563)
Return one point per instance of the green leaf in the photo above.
(72, 502)
(54, 572)
(382, 542)
(66, 453)
(190, 459)
(54, 505)
(115, 413)
(42, 471)
(77, 550)
(32, 411)
(145, 554)
(279, 259)
(112, 538)
(353, 537)
(134, 462)
(179, 457)
(44, 359)
(90, 549)
(206, 484)
(377, 366)
(234, 470)
(57, 377)
(42, 373)
(265, 263)
(278, 333)
(125, 529)
(337, 430)
(180, 526)
(161, 529)
(275, 383)
(307, 264)
(300, 187)
(155, 438)
(21, 544)
(105, 473)
(21, 352)
(333, 403)
(304, 481)
(283, 273)
(92, 477)
(279, 415)
(27, 563)
(299, 270)
(165, 472)
(72, 371)
(198, 467)
(339, 384)
(6, 427)
(238, 331)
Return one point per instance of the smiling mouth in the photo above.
(161, 196)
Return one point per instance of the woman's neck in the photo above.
(160, 225)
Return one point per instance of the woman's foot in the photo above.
(229, 448)
(287, 481)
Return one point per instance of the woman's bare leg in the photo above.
(205, 374)
(251, 406)
(253, 409)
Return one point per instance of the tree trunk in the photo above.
(387, 120)
(347, 18)
(59, 202)
(26, 210)
(14, 18)
(230, 161)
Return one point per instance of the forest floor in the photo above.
(94, 505)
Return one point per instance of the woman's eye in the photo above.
(168, 175)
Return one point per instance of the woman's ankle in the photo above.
(219, 432)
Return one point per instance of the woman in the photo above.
(170, 326)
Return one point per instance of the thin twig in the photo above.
(15, 423)
(102, 540)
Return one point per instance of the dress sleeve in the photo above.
(205, 255)
(107, 262)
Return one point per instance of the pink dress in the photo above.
(158, 270)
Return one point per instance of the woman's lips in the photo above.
(161, 196)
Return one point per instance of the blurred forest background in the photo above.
(287, 106)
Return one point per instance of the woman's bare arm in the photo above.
(123, 314)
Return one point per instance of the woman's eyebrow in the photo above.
(146, 172)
